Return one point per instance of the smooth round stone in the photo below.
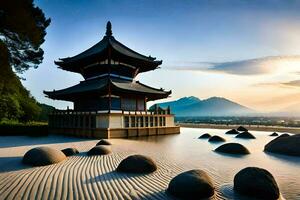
(256, 182)
(205, 136)
(232, 132)
(99, 150)
(274, 134)
(245, 135)
(137, 164)
(193, 184)
(241, 128)
(103, 142)
(286, 145)
(216, 138)
(233, 148)
(284, 135)
(40, 156)
(70, 151)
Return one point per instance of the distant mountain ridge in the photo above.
(214, 106)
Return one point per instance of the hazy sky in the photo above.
(246, 51)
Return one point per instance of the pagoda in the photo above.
(109, 102)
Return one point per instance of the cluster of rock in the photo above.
(41, 156)
(241, 132)
(196, 184)
(100, 149)
(210, 138)
(193, 184)
(283, 144)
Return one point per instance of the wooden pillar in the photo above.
(145, 104)
(136, 104)
(90, 120)
(129, 121)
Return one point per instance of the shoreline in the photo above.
(293, 130)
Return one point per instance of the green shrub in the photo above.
(10, 128)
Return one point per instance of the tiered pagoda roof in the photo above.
(108, 67)
(100, 86)
(111, 52)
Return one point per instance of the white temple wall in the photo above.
(170, 121)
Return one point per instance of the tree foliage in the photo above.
(22, 31)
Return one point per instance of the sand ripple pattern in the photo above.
(86, 177)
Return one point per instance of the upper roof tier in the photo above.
(106, 54)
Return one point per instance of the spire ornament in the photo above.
(108, 29)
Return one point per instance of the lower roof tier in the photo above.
(105, 85)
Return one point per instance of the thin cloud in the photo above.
(289, 84)
(257, 66)
(294, 83)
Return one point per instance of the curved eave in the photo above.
(152, 94)
(101, 48)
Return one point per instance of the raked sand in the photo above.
(84, 177)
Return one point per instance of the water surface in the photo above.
(187, 150)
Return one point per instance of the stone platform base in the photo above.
(102, 133)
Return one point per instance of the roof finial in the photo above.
(108, 29)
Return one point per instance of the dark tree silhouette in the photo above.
(22, 31)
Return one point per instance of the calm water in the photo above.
(189, 152)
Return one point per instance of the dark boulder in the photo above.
(287, 145)
(103, 142)
(245, 135)
(241, 128)
(40, 156)
(274, 134)
(205, 136)
(193, 184)
(216, 138)
(137, 164)
(284, 135)
(232, 148)
(232, 132)
(256, 182)
(99, 150)
(70, 151)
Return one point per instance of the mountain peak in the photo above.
(189, 98)
(213, 106)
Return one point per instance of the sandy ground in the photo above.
(78, 177)
(249, 127)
